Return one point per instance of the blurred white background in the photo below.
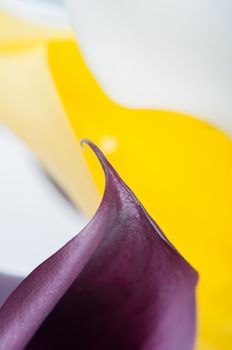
(35, 219)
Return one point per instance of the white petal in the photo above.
(48, 12)
(168, 54)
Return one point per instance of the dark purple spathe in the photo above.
(7, 284)
(118, 285)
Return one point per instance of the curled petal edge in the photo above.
(118, 284)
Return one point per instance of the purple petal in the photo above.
(7, 285)
(119, 284)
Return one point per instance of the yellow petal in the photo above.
(30, 105)
(188, 170)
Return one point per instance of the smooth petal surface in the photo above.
(119, 284)
(7, 285)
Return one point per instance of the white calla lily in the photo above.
(172, 54)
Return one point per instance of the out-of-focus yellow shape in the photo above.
(30, 105)
(179, 167)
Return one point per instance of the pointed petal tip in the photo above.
(117, 285)
(100, 155)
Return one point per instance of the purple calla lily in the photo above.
(118, 285)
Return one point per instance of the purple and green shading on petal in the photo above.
(118, 285)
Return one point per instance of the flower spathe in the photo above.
(119, 284)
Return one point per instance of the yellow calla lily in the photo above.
(50, 98)
(42, 123)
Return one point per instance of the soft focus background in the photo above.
(35, 218)
(150, 83)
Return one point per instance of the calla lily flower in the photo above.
(119, 284)
(49, 94)
(170, 55)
